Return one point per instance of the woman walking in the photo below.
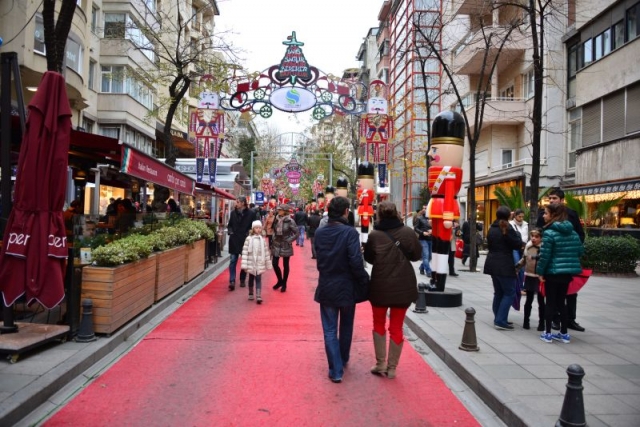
(390, 249)
(502, 240)
(256, 259)
(559, 260)
(285, 232)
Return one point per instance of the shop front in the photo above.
(486, 201)
(612, 207)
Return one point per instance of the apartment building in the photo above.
(603, 107)
(104, 65)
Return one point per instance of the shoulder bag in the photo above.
(397, 244)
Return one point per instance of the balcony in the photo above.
(470, 53)
(522, 162)
(498, 111)
(472, 7)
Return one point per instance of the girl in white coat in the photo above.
(256, 259)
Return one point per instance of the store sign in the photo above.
(138, 164)
(606, 188)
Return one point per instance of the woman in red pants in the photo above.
(390, 249)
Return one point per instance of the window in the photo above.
(92, 75)
(591, 121)
(606, 41)
(529, 82)
(94, 19)
(587, 52)
(618, 34)
(633, 22)
(114, 24)
(507, 93)
(195, 18)
(613, 116)
(598, 51)
(575, 131)
(88, 125)
(118, 80)
(111, 132)
(73, 55)
(572, 68)
(507, 158)
(112, 79)
(38, 36)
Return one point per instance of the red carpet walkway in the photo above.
(221, 360)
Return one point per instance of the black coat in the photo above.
(421, 225)
(501, 246)
(238, 229)
(313, 222)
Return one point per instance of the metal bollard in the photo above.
(469, 340)
(421, 302)
(85, 332)
(572, 413)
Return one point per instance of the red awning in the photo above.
(140, 165)
(217, 192)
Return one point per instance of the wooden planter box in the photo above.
(170, 265)
(119, 293)
(194, 260)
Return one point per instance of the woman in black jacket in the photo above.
(393, 283)
(502, 240)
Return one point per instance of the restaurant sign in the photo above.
(618, 187)
(138, 164)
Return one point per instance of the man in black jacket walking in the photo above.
(556, 196)
(300, 217)
(238, 228)
(422, 227)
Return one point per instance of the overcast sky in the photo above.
(331, 30)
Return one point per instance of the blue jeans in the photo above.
(426, 256)
(301, 230)
(337, 345)
(233, 261)
(504, 290)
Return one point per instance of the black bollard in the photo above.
(85, 332)
(469, 340)
(421, 303)
(572, 413)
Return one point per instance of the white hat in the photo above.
(256, 223)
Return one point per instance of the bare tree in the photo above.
(57, 31)
(490, 40)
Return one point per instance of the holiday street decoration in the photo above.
(376, 129)
(342, 187)
(267, 186)
(444, 181)
(293, 86)
(206, 132)
(329, 193)
(366, 195)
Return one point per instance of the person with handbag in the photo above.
(342, 282)
(390, 249)
(285, 232)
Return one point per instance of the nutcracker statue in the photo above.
(342, 187)
(273, 202)
(329, 193)
(366, 185)
(320, 201)
(444, 181)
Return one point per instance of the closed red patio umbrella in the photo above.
(34, 247)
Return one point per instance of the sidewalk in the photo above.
(523, 379)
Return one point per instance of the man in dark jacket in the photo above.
(300, 217)
(556, 196)
(341, 270)
(238, 228)
(422, 227)
(312, 225)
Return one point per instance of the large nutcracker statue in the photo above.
(366, 195)
(445, 181)
(342, 187)
(329, 193)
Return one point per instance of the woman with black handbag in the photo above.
(390, 249)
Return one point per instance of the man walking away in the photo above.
(238, 228)
(301, 219)
(422, 227)
(313, 223)
(341, 267)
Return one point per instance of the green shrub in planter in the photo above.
(122, 251)
(611, 254)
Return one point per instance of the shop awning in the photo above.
(604, 187)
(217, 192)
(140, 165)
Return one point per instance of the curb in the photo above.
(511, 410)
(22, 403)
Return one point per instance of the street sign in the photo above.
(259, 198)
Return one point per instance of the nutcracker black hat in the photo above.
(365, 170)
(342, 183)
(329, 189)
(448, 128)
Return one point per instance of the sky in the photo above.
(331, 30)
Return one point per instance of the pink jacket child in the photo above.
(256, 259)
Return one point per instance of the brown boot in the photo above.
(380, 347)
(395, 350)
